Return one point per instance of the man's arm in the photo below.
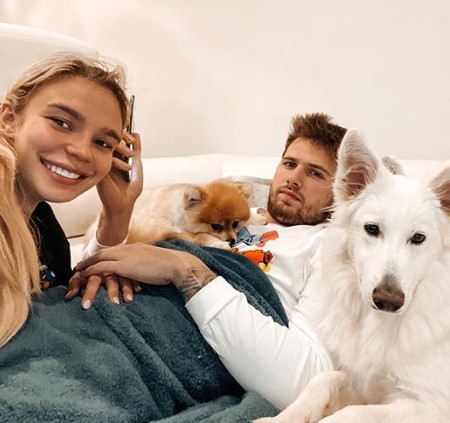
(263, 356)
(273, 360)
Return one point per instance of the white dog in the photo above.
(382, 304)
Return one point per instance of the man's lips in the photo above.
(291, 194)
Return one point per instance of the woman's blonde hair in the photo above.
(19, 265)
(69, 65)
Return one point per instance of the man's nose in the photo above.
(295, 178)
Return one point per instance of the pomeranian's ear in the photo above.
(357, 166)
(440, 184)
(193, 196)
(244, 188)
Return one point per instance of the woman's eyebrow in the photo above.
(81, 118)
(111, 133)
(69, 110)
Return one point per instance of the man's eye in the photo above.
(317, 175)
(289, 164)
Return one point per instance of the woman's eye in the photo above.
(61, 123)
(103, 144)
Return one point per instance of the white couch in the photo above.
(19, 46)
(76, 216)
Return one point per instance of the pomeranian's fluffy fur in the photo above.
(209, 215)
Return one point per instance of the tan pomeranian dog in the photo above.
(208, 215)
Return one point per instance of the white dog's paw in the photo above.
(353, 414)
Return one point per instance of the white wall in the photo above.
(225, 76)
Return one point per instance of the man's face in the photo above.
(301, 189)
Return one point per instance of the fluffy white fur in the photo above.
(382, 305)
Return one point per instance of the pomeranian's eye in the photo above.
(418, 238)
(217, 227)
(235, 224)
(372, 229)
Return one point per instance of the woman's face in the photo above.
(64, 138)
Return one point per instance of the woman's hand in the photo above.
(114, 285)
(117, 195)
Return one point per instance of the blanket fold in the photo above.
(134, 363)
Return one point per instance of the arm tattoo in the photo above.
(197, 278)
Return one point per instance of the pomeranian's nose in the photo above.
(231, 241)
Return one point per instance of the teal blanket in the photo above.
(135, 363)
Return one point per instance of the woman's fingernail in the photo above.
(116, 300)
(128, 298)
(86, 304)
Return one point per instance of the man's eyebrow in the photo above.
(81, 118)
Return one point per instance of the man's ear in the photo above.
(7, 119)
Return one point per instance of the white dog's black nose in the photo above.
(388, 298)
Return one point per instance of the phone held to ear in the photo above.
(129, 129)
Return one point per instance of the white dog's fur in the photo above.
(387, 247)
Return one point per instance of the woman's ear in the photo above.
(7, 119)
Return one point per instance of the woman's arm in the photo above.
(118, 197)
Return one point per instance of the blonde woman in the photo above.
(65, 117)
(19, 275)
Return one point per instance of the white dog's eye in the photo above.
(372, 229)
(418, 238)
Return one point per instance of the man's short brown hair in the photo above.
(319, 128)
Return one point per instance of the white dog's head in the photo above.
(397, 227)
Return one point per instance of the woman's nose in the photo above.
(80, 148)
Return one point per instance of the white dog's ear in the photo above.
(440, 184)
(357, 166)
(193, 195)
(393, 165)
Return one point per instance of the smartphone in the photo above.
(130, 129)
(127, 175)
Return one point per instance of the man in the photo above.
(263, 356)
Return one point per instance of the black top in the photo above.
(53, 246)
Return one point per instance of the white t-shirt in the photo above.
(263, 356)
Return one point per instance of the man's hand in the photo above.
(149, 264)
